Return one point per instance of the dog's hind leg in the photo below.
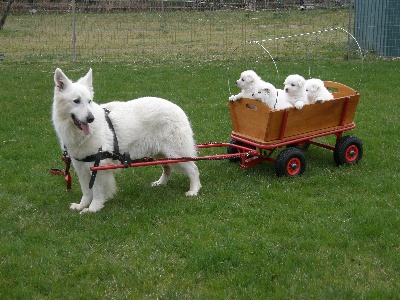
(166, 174)
(190, 169)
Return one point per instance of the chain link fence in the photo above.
(143, 30)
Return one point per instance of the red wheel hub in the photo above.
(293, 166)
(352, 153)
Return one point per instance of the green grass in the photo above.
(330, 234)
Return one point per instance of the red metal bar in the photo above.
(243, 151)
(322, 145)
(283, 125)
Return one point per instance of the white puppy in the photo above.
(295, 92)
(316, 91)
(248, 82)
(269, 95)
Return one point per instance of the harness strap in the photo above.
(100, 155)
(110, 125)
(115, 155)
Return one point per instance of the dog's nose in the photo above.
(90, 117)
(287, 90)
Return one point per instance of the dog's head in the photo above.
(73, 100)
(314, 85)
(247, 79)
(266, 93)
(294, 84)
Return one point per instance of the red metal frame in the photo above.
(243, 152)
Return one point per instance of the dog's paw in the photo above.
(319, 100)
(232, 98)
(76, 206)
(299, 104)
(93, 207)
(157, 183)
(191, 193)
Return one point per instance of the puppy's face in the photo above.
(247, 79)
(313, 86)
(265, 93)
(294, 84)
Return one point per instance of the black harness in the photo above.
(125, 158)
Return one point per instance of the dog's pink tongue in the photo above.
(85, 128)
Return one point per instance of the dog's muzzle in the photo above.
(82, 125)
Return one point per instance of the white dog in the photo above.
(269, 95)
(295, 92)
(248, 82)
(316, 91)
(149, 126)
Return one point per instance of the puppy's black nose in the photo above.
(286, 90)
(90, 118)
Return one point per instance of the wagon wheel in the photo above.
(233, 150)
(290, 162)
(348, 150)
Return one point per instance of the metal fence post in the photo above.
(349, 30)
(73, 32)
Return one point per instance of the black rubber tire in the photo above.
(233, 150)
(348, 151)
(290, 162)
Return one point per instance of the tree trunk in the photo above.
(5, 13)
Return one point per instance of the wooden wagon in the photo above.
(255, 125)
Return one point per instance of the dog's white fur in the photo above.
(149, 126)
(248, 82)
(316, 91)
(295, 92)
(268, 94)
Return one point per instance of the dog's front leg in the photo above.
(84, 177)
(103, 189)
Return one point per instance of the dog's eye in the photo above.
(293, 84)
(77, 101)
(90, 101)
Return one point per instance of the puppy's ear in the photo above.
(301, 82)
(61, 80)
(249, 79)
(314, 88)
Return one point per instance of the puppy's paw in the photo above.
(232, 98)
(191, 193)
(319, 100)
(299, 104)
(76, 206)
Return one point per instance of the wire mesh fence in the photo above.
(129, 30)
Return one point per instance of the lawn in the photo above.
(330, 234)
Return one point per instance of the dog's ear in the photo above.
(61, 80)
(87, 79)
(249, 79)
(301, 82)
(314, 87)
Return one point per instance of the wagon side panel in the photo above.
(249, 118)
